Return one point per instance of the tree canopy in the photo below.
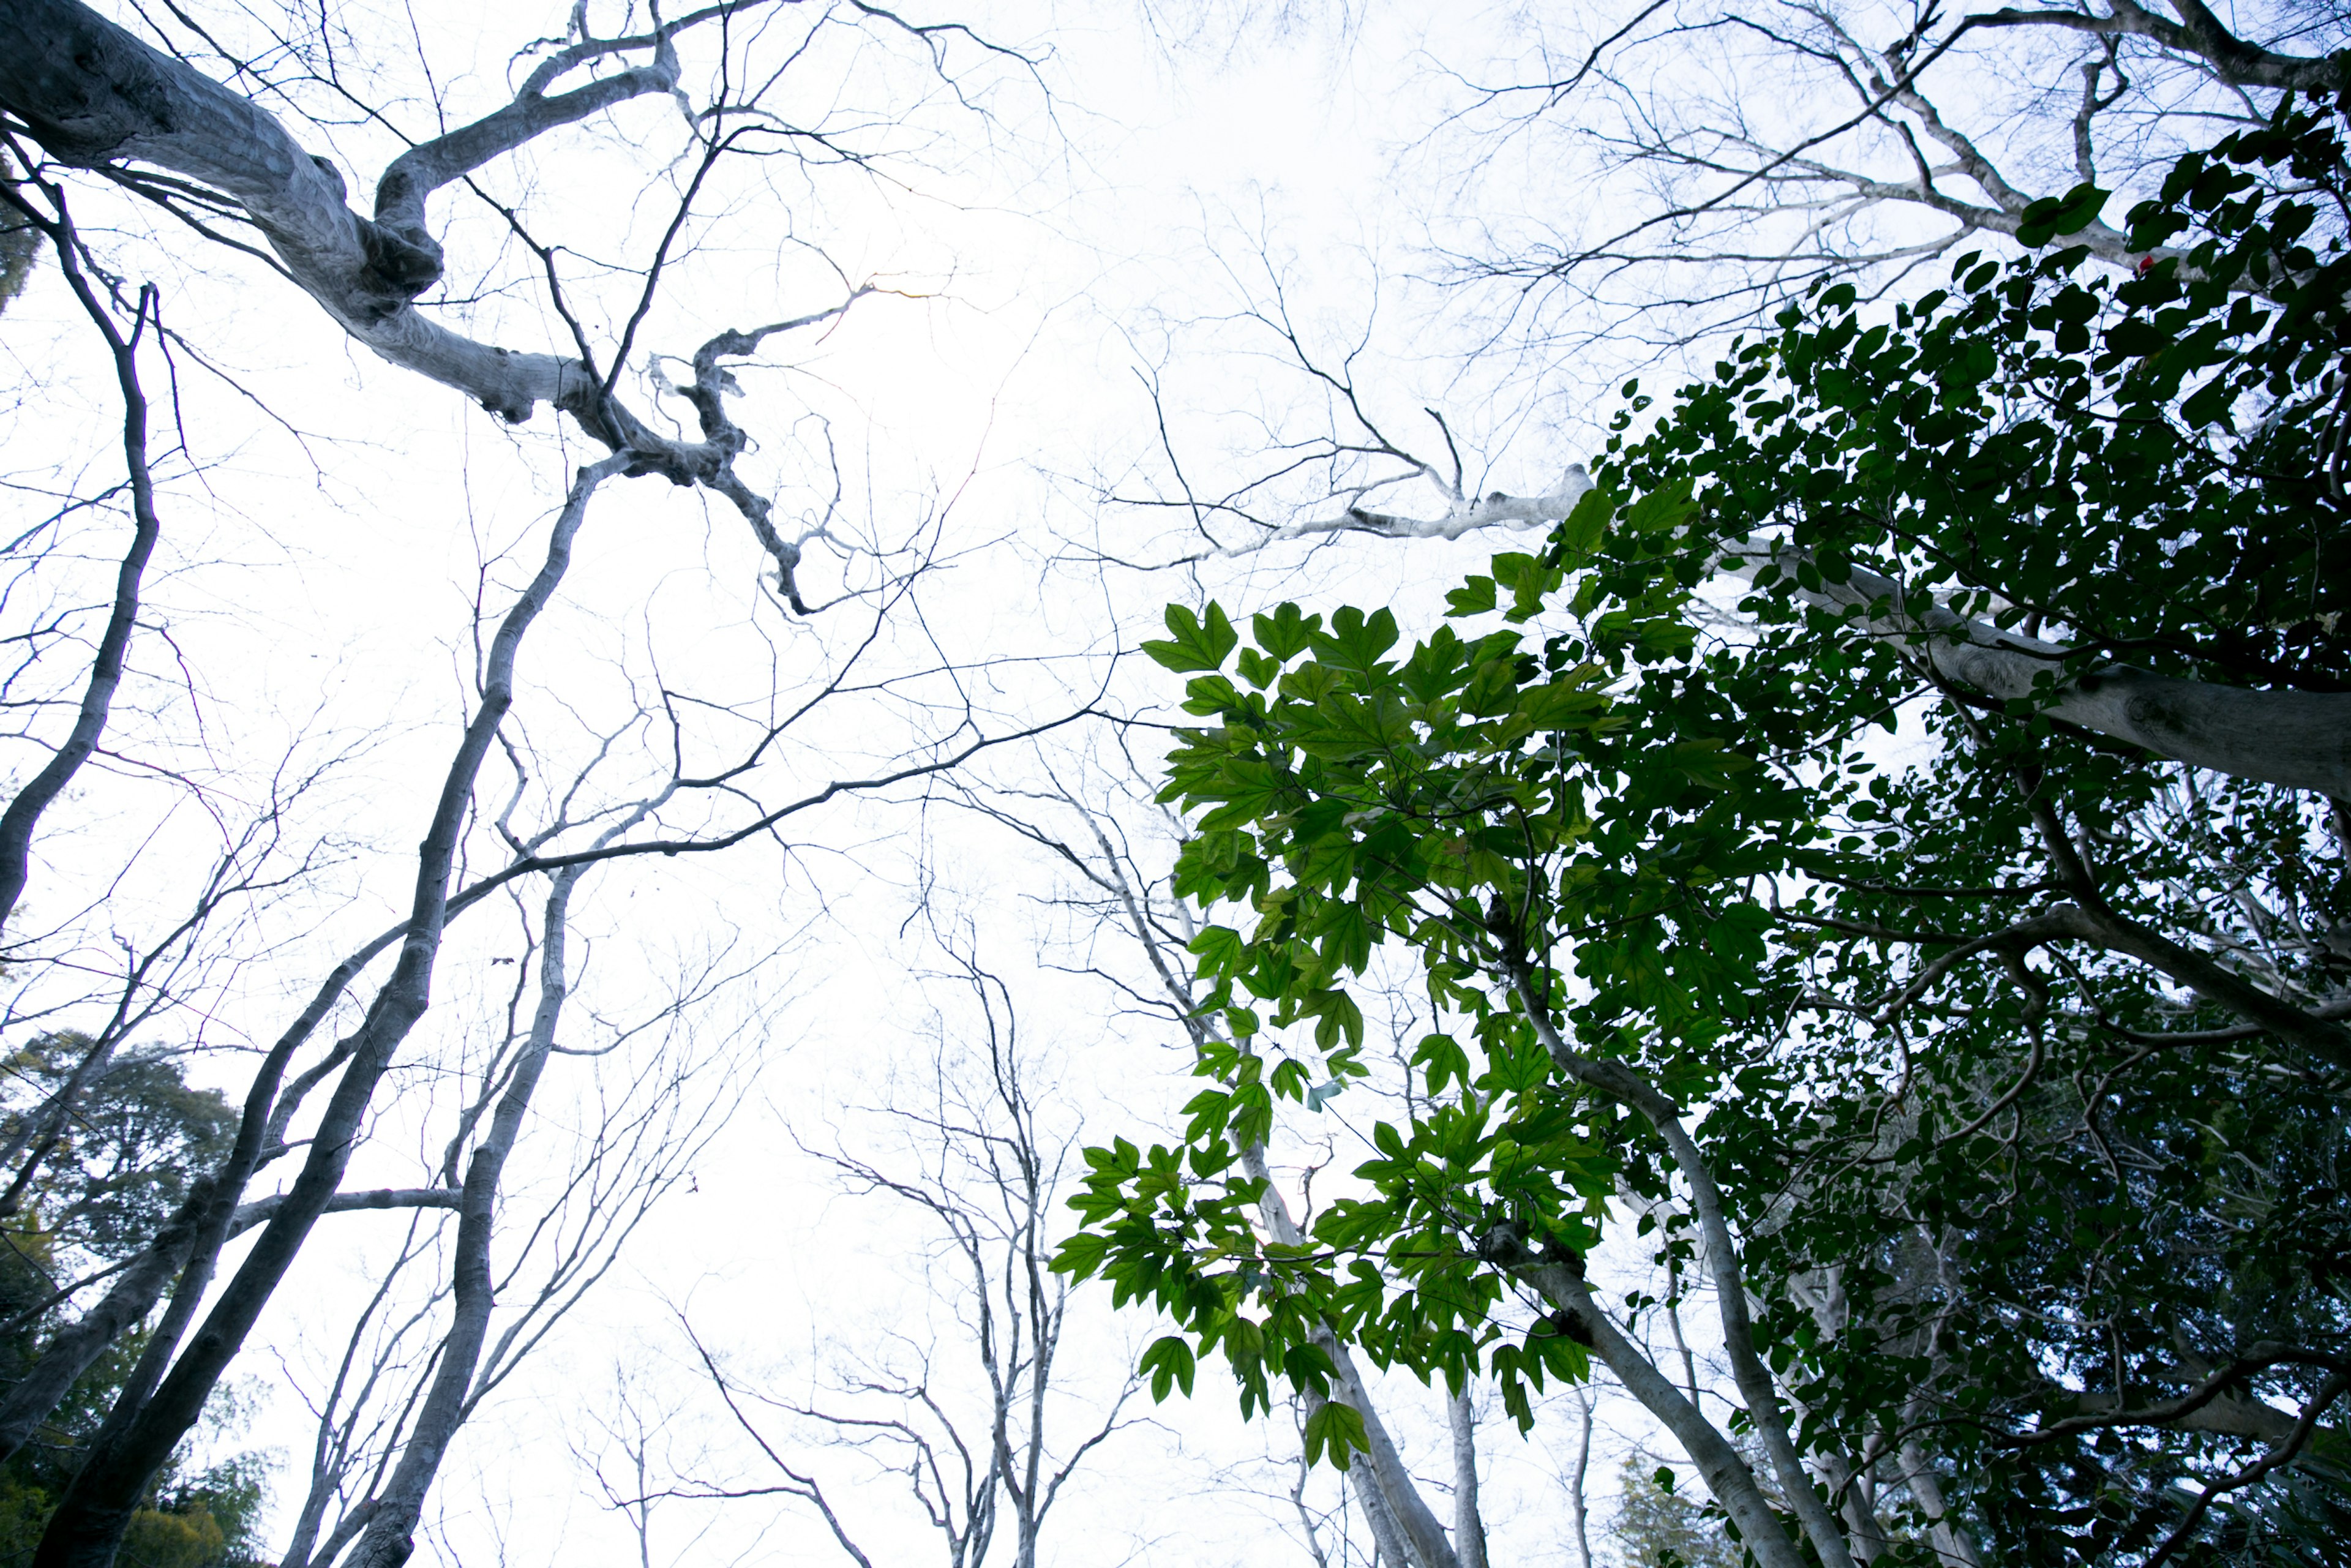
(1894, 832)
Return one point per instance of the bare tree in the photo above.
(1329, 447)
(1749, 150)
(638, 1435)
(92, 113)
(980, 1426)
(415, 1368)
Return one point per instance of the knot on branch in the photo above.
(1569, 1324)
(397, 268)
(1506, 1245)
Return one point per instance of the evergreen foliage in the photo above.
(122, 1163)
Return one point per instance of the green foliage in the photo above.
(120, 1163)
(1656, 1525)
(2035, 1168)
(20, 244)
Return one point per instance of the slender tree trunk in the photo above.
(1469, 1524)
(1725, 1473)
(1757, 1390)
(391, 1534)
(1576, 1508)
(23, 812)
(1950, 1545)
(88, 1525)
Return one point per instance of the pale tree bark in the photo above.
(1785, 145)
(1757, 1388)
(1725, 1473)
(140, 1433)
(2300, 739)
(982, 1165)
(1951, 1543)
(1405, 1526)
(95, 96)
(1344, 470)
(89, 95)
(24, 811)
(429, 1371)
(1469, 1524)
(391, 1532)
(1578, 1510)
(2198, 34)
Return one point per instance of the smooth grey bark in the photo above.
(1404, 1528)
(1851, 1480)
(2314, 1030)
(259, 1211)
(197, 1224)
(71, 1351)
(94, 94)
(1576, 1508)
(2197, 34)
(1391, 1500)
(1757, 1390)
(2300, 739)
(1388, 1547)
(1466, 515)
(390, 1537)
(1950, 1544)
(1416, 1523)
(1725, 1473)
(1469, 1524)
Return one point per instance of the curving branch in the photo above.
(24, 811)
(1757, 1389)
(2300, 739)
(2198, 34)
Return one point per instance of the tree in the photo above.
(538, 786)
(1120, 895)
(1656, 1527)
(453, 1317)
(140, 1136)
(1930, 1068)
(986, 1427)
(1753, 150)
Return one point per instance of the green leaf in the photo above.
(1286, 632)
(1662, 510)
(1579, 533)
(1356, 641)
(1219, 948)
(1169, 1363)
(2069, 214)
(1195, 646)
(1081, 1255)
(1474, 597)
(1562, 706)
(1335, 1431)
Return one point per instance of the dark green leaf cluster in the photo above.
(117, 1167)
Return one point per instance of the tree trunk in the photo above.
(2300, 739)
